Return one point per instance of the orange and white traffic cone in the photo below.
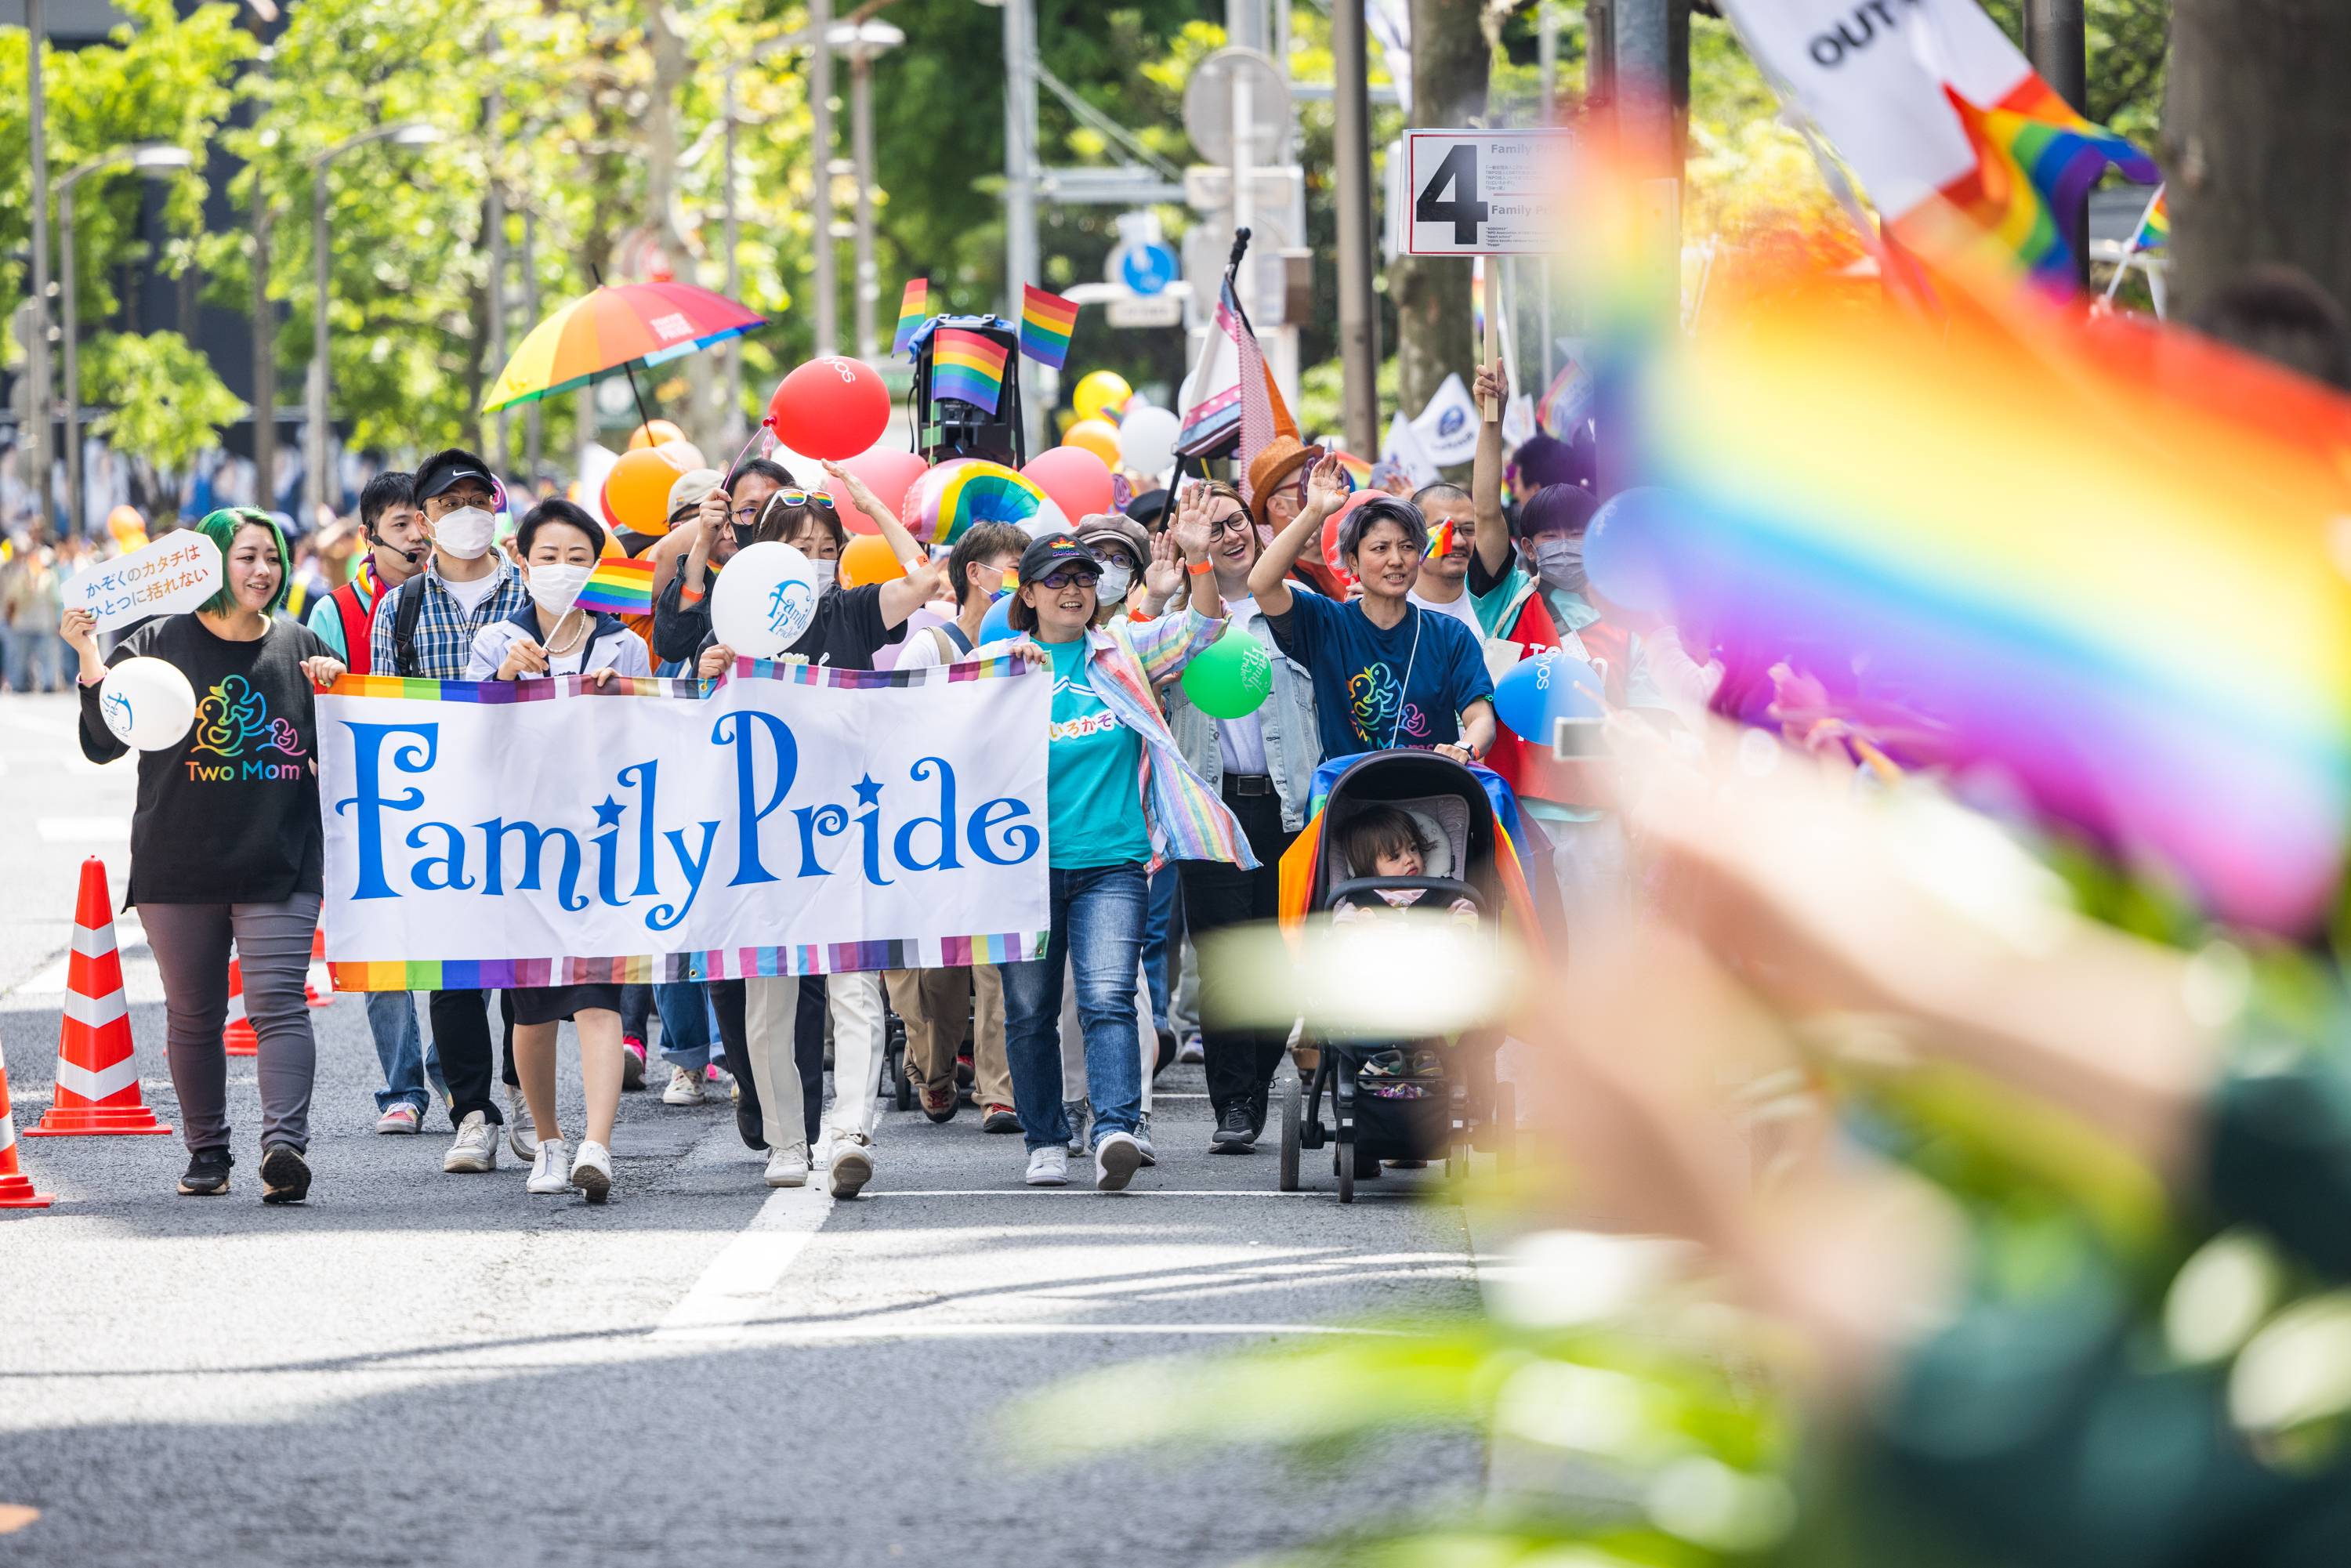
(98, 1067)
(318, 981)
(238, 1039)
(15, 1187)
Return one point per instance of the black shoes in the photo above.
(1235, 1130)
(751, 1126)
(285, 1175)
(207, 1174)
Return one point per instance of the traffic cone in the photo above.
(97, 1070)
(238, 1039)
(318, 981)
(15, 1190)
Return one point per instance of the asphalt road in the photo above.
(420, 1368)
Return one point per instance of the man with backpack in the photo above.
(426, 629)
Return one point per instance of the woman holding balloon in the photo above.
(225, 841)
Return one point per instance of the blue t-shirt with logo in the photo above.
(1375, 689)
(1095, 799)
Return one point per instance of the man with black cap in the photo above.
(426, 629)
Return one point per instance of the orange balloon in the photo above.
(636, 493)
(868, 560)
(652, 432)
(1099, 436)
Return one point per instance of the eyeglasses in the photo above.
(1062, 579)
(1237, 524)
(453, 500)
(789, 499)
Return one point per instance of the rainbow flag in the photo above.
(1358, 472)
(619, 586)
(2036, 158)
(2155, 228)
(1046, 322)
(915, 304)
(1441, 541)
(968, 366)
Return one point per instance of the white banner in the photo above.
(789, 819)
(177, 572)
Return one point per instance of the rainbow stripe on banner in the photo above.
(912, 305)
(499, 693)
(619, 586)
(667, 968)
(1046, 322)
(2036, 158)
(968, 366)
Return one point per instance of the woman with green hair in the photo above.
(225, 843)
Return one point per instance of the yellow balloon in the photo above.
(1099, 436)
(1099, 392)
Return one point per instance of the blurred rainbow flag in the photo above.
(1046, 322)
(2154, 230)
(619, 586)
(968, 366)
(2037, 158)
(1358, 471)
(913, 306)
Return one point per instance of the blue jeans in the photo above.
(1157, 922)
(400, 1047)
(38, 661)
(685, 1033)
(1098, 917)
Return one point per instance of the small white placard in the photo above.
(177, 572)
(1485, 193)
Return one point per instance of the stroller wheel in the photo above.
(1293, 1113)
(1342, 1161)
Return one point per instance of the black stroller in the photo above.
(1392, 1099)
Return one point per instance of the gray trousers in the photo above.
(191, 943)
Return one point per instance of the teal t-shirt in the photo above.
(1092, 794)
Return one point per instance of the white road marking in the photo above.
(739, 1279)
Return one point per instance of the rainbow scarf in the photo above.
(619, 586)
(2036, 158)
(968, 366)
(912, 305)
(1046, 322)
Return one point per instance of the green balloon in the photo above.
(1233, 678)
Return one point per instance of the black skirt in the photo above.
(556, 1004)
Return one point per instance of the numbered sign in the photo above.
(1485, 193)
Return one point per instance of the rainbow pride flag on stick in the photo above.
(915, 304)
(1046, 322)
(619, 586)
(968, 366)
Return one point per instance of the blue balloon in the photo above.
(1552, 685)
(1625, 549)
(997, 625)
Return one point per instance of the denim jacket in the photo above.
(1294, 745)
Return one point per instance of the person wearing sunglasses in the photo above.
(1118, 801)
(720, 527)
(759, 1019)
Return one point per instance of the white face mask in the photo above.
(824, 570)
(466, 532)
(555, 588)
(1115, 579)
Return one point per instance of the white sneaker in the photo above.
(592, 1172)
(684, 1087)
(476, 1149)
(1048, 1166)
(522, 1132)
(852, 1166)
(547, 1171)
(1191, 1051)
(400, 1118)
(1116, 1155)
(1075, 1111)
(1143, 1140)
(788, 1165)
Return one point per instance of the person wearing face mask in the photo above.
(1123, 550)
(721, 526)
(1539, 599)
(427, 628)
(558, 544)
(760, 1019)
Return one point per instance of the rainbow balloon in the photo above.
(951, 497)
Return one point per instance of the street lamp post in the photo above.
(153, 159)
(408, 133)
(862, 42)
(40, 403)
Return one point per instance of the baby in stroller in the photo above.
(1382, 840)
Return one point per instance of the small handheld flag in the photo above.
(1046, 322)
(968, 366)
(1441, 541)
(913, 306)
(619, 586)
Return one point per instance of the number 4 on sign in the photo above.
(1451, 196)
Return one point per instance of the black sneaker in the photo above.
(1001, 1119)
(1235, 1130)
(1257, 1108)
(285, 1175)
(751, 1128)
(207, 1174)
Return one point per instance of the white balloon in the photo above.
(765, 598)
(148, 704)
(1146, 439)
(1050, 519)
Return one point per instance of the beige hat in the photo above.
(692, 486)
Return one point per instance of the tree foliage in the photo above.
(164, 401)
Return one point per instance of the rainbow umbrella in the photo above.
(620, 327)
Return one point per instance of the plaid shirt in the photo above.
(445, 633)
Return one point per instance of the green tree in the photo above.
(165, 404)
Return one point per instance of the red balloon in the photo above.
(1331, 555)
(888, 471)
(829, 408)
(1077, 480)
